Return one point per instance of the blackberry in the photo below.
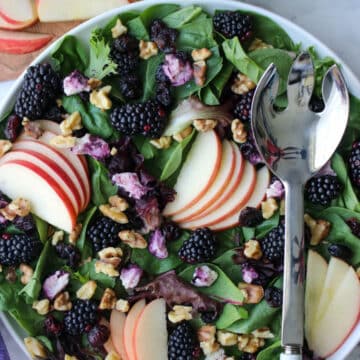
(209, 317)
(171, 231)
(126, 43)
(243, 107)
(316, 104)
(272, 244)
(13, 127)
(53, 326)
(148, 119)
(40, 87)
(79, 132)
(322, 190)
(232, 23)
(55, 113)
(163, 94)
(354, 225)
(24, 223)
(81, 317)
(273, 296)
(164, 36)
(129, 86)
(126, 63)
(182, 343)
(160, 75)
(199, 247)
(341, 251)
(250, 217)
(68, 252)
(247, 356)
(354, 163)
(103, 233)
(18, 248)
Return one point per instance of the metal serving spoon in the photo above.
(295, 144)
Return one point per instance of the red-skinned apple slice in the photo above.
(59, 159)
(19, 11)
(18, 26)
(234, 182)
(130, 324)
(233, 205)
(20, 178)
(223, 178)
(197, 173)
(150, 335)
(342, 314)
(51, 168)
(16, 42)
(258, 195)
(49, 10)
(117, 326)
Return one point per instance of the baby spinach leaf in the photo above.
(229, 315)
(101, 186)
(88, 269)
(225, 262)
(42, 228)
(69, 54)
(271, 352)
(82, 244)
(352, 132)
(46, 341)
(143, 145)
(155, 266)
(159, 11)
(93, 119)
(124, 17)
(248, 232)
(207, 96)
(138, 29)
(221, 79)
(267, 225)
(8, 293)
(222, 289)
(182, 16)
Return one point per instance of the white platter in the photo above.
(294, 31)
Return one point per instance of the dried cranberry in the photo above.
(13, 127)
(164, 36)
(250, 217)
(171, 231)
(354, 225)
(52, 326)
(340, 251)
(98, 335)
(209, 317)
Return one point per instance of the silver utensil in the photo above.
(295, 144)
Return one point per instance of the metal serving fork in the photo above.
(295, 144)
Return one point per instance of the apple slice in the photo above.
(59, 159)
(315, 278)
(19, 11)
(197, 173)
(130, 324)
(16, 42)
(49, 10)
(342, 314)
(223, 178)
(150, 335)
(108, 346)
(18, 26)
(258, 195)
(117, 326)
(232, 206)
(233, 185)
(20, 178)
(51, 168)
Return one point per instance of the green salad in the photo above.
(137, 218)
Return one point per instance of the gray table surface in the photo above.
(336, 23)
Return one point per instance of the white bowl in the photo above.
(295, 32)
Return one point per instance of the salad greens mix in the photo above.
(226, 290)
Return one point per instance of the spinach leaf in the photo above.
(88, 269)
(352, 132)
(147, 69)
(182, 16)
(159, 11)
(155, 266)
(271, 352)
(101, 186)
(229, 315)
(248, 232)
(124, 17)
(47, 342)
(267, 225)
(221, 79)
(226, 263)
(93, 119)
(8, 293)
(138, 29)
(222, 289)
(207, 96)
(82, 244)
(42, 228)
(70, 54)
(143, 145)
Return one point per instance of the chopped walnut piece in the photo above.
(122, 305)
(112, 356)
(180, 313)
(87, 291)
(11, 274)
(319, 229)
(74, 235)
(27, 273)
(32, 128)
(119, 29)
(259, 44)
(18, 207)
(113, 151)
(162, 143)
(268, 207)
(62, 302)
(63, 142)
(94, 83)
(252, 250)
(179, 137)
(35, 348)
(200, 69)
(254, 293)
(201, 54)
(57, 237)
(114, 213)
(132, 238)
(242, 84)
(71, 123)
(206, 333)
(69, 357)
(42, 306)
(263, 333)
(118, 202)
(5, 146)
(108, 300)
(226, 338)
(105, 268)
(111, 255)
(209, 347)
(204, 125)
(100, 98)
(147, 49)
(238, 131)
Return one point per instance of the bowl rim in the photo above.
(352, 81)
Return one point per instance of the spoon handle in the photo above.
(294, 272)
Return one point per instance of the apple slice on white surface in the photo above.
(333, 327)
(233, 205)
(50, 10)
(19, 11)
(223, 178)
(258, 195)
(130, 324)
(197, 173)
(23, 179)
(150, 335)
(232, 186)
(117, 326)
(18, 26)
(316, 270)
(37, 147)
(16, 42)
